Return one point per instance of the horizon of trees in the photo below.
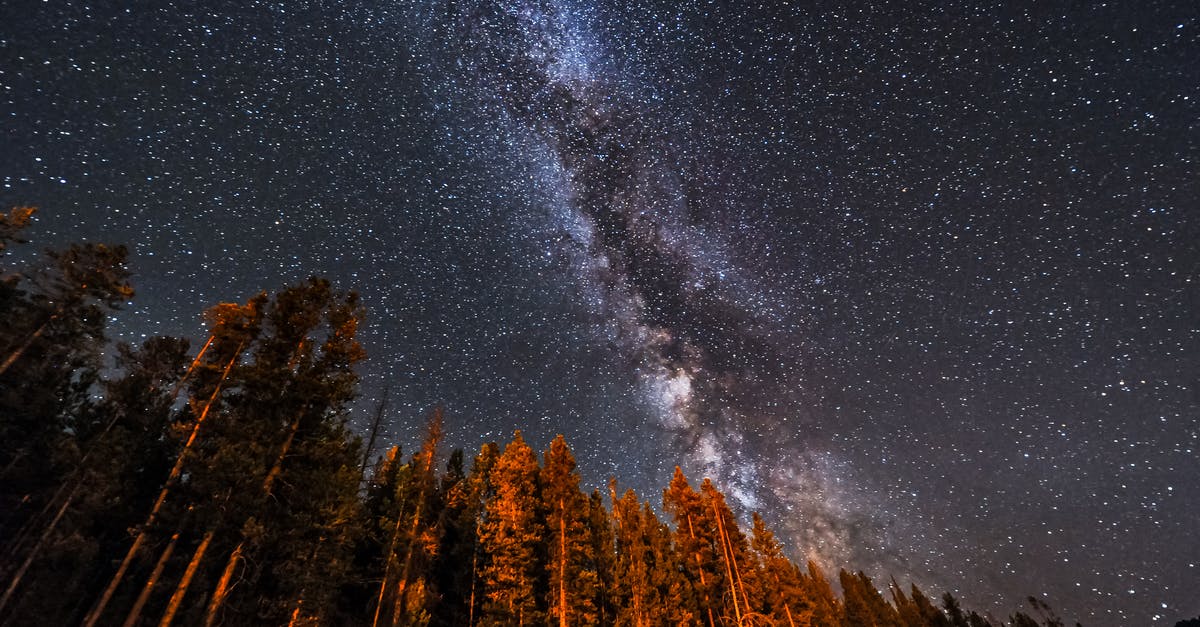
(222, 485)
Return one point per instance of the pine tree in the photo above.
(781, 584)
(602, 559)
(571, 563)
(511, 536)
(827, 611)
(696, 540)
(644, 565)
(864, 605)
(297, 387)
(462, 562)
(415, 537)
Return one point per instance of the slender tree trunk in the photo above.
(312, 559)
(562, 563)
(172, 478)
(379, 409)
(725, 550)
(474, 563)
(398, 604)
(737, 573)
(222, 591)
(74, 480)
(186, 581)
(195, 362)
(277, 467)
(135, 614)
(387, 568)
(700, 569)
(16, 579)
(16, 354)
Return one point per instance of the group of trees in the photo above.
(157, 484)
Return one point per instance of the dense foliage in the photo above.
(221, 485)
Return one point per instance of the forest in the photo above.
(220, 483)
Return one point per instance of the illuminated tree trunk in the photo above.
(195, 362)
(296, 615)
(218, 597)
(700, 569)
(726, 552)
(172, 478)
(562, 563)
(471, 610)
(16, 354)
(222, 591)
(186, 581)
(387, 569)
(379, 409)
(136, 612)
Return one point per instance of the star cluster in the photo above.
(918, 281)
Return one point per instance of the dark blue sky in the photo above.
(919, 282)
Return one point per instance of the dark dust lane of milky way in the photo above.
(917, 282)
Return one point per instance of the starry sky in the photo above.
(918, 281)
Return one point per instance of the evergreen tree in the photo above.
(864, 605)
(292, 394)
(696, 538)
(781, 586)
(571, 562)
(511, 536)
(602, 558)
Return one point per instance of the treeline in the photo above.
(221, 485)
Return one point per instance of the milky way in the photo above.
(917, 281)
(667, 293)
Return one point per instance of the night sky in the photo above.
(922, 284)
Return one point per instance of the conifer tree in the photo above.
(781, 586)
(696, 540)
(602, 558)
(571, 562)
(827, 610)
(296, 387)
(511, 536)
(463, 559)
(864, 605)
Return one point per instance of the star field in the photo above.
(917, 281)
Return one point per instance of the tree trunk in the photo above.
(428, 452)
(312, 559)
(177, 470)
(195, 362)
(186, 581)
(379, 409)
(726, 549)
(398, 605)
(76, 477)
(222, 591)
(16, 579)
(700, 569)
(16, 354)
(474, 563)
(387, 568)
(135, 614)
(562, 563)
